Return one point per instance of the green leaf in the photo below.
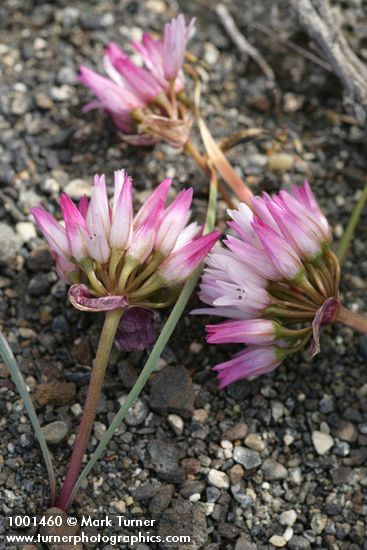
(159, 346)
(17, 377)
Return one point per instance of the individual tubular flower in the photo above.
(277, 279)
(114, 259)
(146, 103)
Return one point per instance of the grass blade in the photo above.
(17, 377)
(352, 224)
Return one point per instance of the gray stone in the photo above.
(298, 543)
(192, 487)
(145, 492)
(172, 391)
(137, 413)
(278, 541)
(273, 470)
(238, 431)
(163, 458)
(187, 519)
(40, 259)
(243, 543)
(248, 458)
(238, 491)
(318, 523)
(10, 243)
(39, 285)
(161, 500)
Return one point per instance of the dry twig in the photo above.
(291, 45)
(241, 42)
(319, 21)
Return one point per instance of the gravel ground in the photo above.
(277, 462)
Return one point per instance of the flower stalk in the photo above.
(158, 348)
(110, 326)
(352, 319)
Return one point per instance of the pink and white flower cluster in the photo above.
(116, 259)
(143, 101)
(272, 280)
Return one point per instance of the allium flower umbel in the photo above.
(114, 259)
(277, 280)
(146, 103)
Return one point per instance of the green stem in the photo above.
(159, 346)
(17, 377)
(95, 385)
(352, 224)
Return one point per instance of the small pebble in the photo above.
(273, 470)
(26, 231)
(218, 479)
(254, 441)
(176, 423)
(322, 442)
(288, 518)
(278, 541)
(77, 188)
(248, 458)
(55, 432)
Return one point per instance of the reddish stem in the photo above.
(351, 319)
(95, 385)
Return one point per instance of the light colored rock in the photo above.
(254, 441)
(76, 409)
(278, 541)
(211, 54)
(120, 506)
(55, 432)
(77, 188)
(288, 534)
(176, 423)
(26, 231)
(288, 518)
(295, 475)
(10, 243)
(322, 442)
(318, 523)
(99, 430)
(218, 479)
(277, 410)
(137, 413)
(280, 162)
